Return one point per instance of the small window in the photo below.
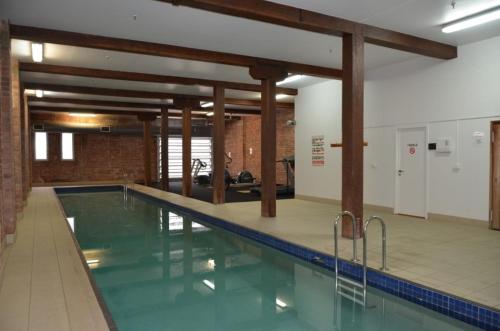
(41, 146)
(67, 146)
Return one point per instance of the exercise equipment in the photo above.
(196, 166)
(283, 190)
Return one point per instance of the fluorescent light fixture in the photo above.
(39, 93)
(473, 20)
(280, 96)
(207, 105)
(280, 303)
(37, 52)
(82, 115)
(209, 284)
(210, 113)
(93, 261)
(290, 79)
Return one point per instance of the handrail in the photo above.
(354, 234)
(365, 247)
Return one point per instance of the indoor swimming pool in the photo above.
(160, 269)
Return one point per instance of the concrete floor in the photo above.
(45, 286)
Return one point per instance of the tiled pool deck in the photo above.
(457, 257)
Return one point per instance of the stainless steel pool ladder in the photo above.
(346, 287)
(365, 248)
(340, 287)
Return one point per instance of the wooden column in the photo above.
(186, 104)
(352, 130)
(268, 75)
(219, 163)
(148, 146)
(164, 149)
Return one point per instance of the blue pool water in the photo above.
(160, 270)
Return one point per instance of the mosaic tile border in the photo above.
(461, 309)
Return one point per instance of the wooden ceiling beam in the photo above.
(140, 77)
(139, 94)
(274, 13)
(54, 108)
(156, 49)
(101, 103)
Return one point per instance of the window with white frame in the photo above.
(67, 146)
(41, 146)
(201, 148)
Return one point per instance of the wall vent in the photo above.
(106, 129)
(38, 127)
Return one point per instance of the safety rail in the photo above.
(365, 247)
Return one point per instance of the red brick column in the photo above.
(16, 133)
(25, 145)
(8, 208)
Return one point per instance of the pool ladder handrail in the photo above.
(365, 248)
(354, 235)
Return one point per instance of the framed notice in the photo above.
(318, 151)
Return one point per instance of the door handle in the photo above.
(400, 172)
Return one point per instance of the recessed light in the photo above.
(82, 115)
(290, 79)
(281, 96)
(37, 52)
(472, 20)
(210, 113)
(207, 105)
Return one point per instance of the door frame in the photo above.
(490, 210)
(399, 129)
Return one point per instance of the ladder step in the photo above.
(349, 281)
(354, 299)
(351, 290)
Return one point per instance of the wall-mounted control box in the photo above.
(444, 145)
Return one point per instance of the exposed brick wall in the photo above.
(244, 134)
(7, 184)
(98, 157)
(16, 133)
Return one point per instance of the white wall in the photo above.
(452, 98)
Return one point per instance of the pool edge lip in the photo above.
(456, 307)
(108, 317)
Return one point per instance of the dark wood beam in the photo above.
(274, 13)
(147, 147)
(156, 49)
(164, 149)
(218, 193)
(141, 77)
(268, 76)
(187, 180)
(102, 103)
(100, 111)
(63, 88)
(352, 131)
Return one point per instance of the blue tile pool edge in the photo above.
(458, 308)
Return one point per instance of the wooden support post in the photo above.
(219, 163)
(164, 149)
(268, 75)
(186, 104)
(147, 119)
(352, 130)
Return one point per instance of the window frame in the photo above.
(46, 147)
(72, 147)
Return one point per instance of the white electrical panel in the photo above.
(443, 145)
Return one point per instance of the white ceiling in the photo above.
(164, 23)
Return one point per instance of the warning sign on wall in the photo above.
(318, 151)
(412, 149)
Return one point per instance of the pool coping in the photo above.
(108, 317)
(447, 304)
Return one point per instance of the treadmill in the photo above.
(283, 190)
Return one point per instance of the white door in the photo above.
(411, 172)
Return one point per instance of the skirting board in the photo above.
(391, 210)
